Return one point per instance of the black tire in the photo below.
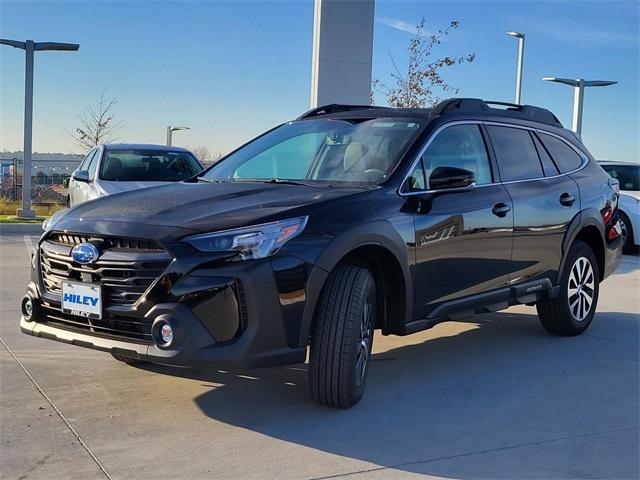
(127, 360)
(571, 314)
(342, 337)
(629, 245)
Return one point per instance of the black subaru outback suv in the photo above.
(320, 231)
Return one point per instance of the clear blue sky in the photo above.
(230, 70)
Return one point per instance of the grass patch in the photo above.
(14, 219)
(8, 208)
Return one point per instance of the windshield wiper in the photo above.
(211, 180)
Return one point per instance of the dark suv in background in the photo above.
(323, 229)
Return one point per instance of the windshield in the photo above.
(353, 151)
(627, 175)
(148, 166)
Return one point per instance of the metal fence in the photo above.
(49, 180)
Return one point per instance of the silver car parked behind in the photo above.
(115, 168)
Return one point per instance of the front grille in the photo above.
(123, 278)
(125, 269)
(107, 243)
(112, 326)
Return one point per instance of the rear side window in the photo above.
(565, 157)
(516, 154)
(548, 166)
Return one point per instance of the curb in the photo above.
(21, 228)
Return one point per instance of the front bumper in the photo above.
(224, 314)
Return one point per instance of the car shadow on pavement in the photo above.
(489, 402)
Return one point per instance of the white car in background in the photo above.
(115, 168)
(628, 174)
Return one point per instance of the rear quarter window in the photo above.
(565, 157)
(516, 154)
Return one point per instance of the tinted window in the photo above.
(516, 154)
(548, 166)
(148, 165)
(565, 157)
(627, 175)
(460, 146)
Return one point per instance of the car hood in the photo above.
(184, 208)
(110, 187)
(630, 193)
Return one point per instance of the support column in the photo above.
(342, 52)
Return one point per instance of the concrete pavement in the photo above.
(495, 397)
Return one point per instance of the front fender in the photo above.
(379, 233)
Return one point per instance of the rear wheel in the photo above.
(572, 311)
(342, 338)
(127, 360)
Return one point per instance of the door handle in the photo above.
(566, 199)
(501, 209)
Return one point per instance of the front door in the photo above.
(463, 237)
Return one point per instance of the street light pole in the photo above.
(30, 47)
(579, 85)
(520, 37)
(26, 210)
(170, 131)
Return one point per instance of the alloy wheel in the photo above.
(580, 289)
(364, 343)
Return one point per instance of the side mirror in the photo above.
(451, 177)
(81, 176)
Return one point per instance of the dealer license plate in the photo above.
(82, 299)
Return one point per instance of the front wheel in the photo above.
(627, 232)
(572, 311)
(342, 337)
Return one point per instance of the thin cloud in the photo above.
(400, 25)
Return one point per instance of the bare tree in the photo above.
(97, 124)
(418, 87)
(202, 153)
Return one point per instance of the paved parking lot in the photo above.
(495, 397)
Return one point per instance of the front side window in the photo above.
(564, 156)
(516, 154)
(460, 146)
(93, 164)
(627, 175)
(361, 151)
(130, 165)
(85, 162)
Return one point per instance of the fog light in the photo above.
(27, 308)
(166, 333)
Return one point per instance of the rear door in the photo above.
(463, 237)
(545, 200)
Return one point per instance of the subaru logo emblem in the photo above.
(85, 253)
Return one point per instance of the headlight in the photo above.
(257, 241)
